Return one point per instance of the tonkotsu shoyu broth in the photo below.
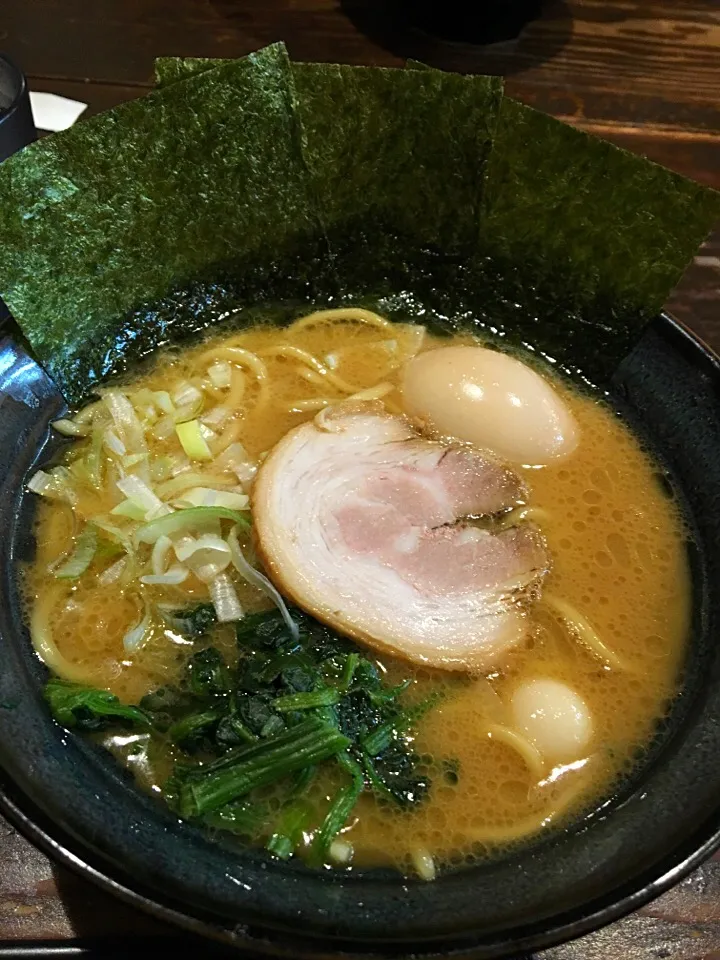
(496, 544)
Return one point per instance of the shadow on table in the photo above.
(106, 929)
(386, 23)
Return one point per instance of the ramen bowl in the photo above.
(539, 239)
(69, 797)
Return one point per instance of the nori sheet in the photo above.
(614, 226)
(427, 194)
(124, 206)
(366, 143)
(397, 149)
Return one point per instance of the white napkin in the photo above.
(54, 113)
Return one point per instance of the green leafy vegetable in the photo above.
(192, 731)
(192, 623)
(167, 705)
(308, 701)
(294, 819)
(208, 674)
(85, 708)
(293, 706)
(244, 819)
(382, 736)
(336, 817)
(307, 743)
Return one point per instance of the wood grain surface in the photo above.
(645, 75)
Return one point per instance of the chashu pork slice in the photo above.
(356, 520)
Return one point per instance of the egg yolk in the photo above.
(491, 400)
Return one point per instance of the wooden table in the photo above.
(645, 75)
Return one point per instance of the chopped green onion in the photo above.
(186, 481)
(160, 468)
(163, 400)
(189, 411)
(57, 485)
(236, 459)
(138, 491)
(164, 428)
(126, 421)
(232, 455)
(184, 520)
(341, 852)
(158, 559)
(113, 572)
(81, 557)
(225, 599)
(220, 374)
(115, 533)
(130, 509)
(114, 443)
(69, 428)
(193, 442)
(41, 482)
(171, 578)
(207, 555)
(133, 459)
(94, 460)
(134, 638)
(186, 393)
(424, 864)
(207, 497)
(215, 417)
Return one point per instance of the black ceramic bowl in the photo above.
(17, 127)
(72, 800)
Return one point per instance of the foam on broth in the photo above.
(618, 548)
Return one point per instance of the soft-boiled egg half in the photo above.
(491, 400)
(553, 717)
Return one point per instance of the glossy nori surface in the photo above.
(350, 172)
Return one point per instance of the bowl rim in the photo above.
(30, 820)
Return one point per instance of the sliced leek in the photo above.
(81, 557)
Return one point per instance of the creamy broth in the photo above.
(618, 549)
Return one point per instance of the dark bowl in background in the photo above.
(72, 800)
(17, 127)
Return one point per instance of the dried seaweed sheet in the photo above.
(128, 204)
(400, 149)
(612, 225)
(242, 181)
